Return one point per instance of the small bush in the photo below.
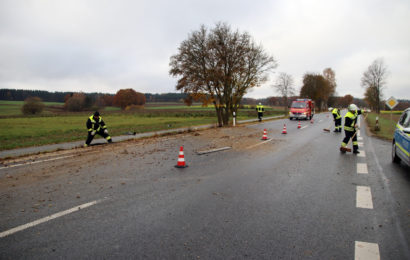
(32, 105)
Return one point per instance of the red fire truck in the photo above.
(302, 109)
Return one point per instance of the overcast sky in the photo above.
(106, 45)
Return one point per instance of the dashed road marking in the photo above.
(364, 197)
(360, 144)
(362, 154)
(366, 251)
(45, 219)
(358, 132)
(362, 168)
(359, 138)
(304, 126)
(28, 163)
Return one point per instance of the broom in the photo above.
(346, 149)
(327, 129)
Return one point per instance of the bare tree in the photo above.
(330, 76)
(284, 86)
(375, 77)
(220, 66)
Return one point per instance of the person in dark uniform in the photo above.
(260, 109)
(96, 125)
(350, 128)
(338, 119)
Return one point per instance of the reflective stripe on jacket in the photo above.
(260, 108)
(336, 113)
(94, 125)
(350, 121)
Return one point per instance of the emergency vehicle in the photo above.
(302, 109)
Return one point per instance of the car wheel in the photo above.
(394, 156)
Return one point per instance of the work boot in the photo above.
(110, 140)
(336, 131)
(356, 151)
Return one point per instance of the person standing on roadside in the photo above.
(96, 125)
(260, 109)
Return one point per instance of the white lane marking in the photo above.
(320, 120)
(358, 132)
(364, 197)
(45, 219)
(366, 251)
(249, 147)
(362, 154)
(304, 126)
(28, 163)
(359, 138)
(362, 168)
(360, 144)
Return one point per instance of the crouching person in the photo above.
(96, 125)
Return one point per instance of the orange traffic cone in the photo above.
(284, 129)
(181, 159)
(265, 135)
(299, 125)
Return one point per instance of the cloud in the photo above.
(104, 45)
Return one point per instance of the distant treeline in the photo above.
(46, 96)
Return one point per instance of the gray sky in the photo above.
(105, 45)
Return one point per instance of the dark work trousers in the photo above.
(260, 115)
(101, 132)
(349, 134)
(338, 125)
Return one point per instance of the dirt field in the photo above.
(88, 166)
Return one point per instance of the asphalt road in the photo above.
(294, 196)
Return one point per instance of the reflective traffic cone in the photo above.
(299, 125)
(265, 135)
(181, 159)
(284, 129)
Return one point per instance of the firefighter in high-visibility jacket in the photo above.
(338, 119)
(350, 127)
(260, 109)
(96, 125)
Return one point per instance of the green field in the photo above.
(387, 124)
(55, 125)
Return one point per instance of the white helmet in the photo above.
(260, 103)
(352, 107)
(330, 109)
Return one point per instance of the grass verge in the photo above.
(387, 124)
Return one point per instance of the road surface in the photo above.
(294, 196)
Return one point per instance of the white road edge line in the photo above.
(249, 147)
(364, 197)
(45, 219)
(364, 250)
(22, 164)
(304, 126)
(362, 168)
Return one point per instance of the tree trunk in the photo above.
(226, 116)
(218, 111)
